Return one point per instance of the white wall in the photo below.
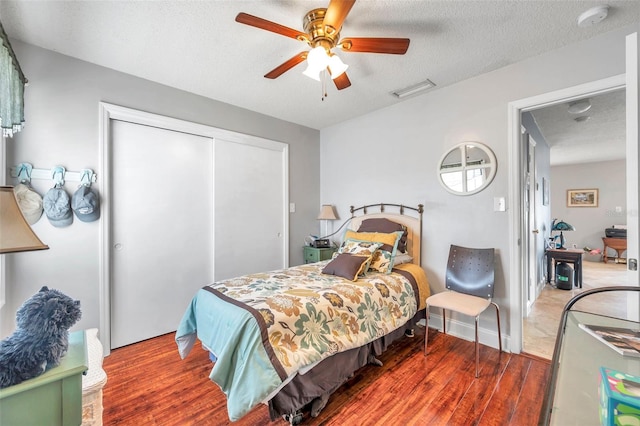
(61, 111)
(391, 155)
(609, 177)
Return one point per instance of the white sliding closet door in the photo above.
(250, 208)
(162, 228)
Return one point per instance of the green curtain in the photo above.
(12, 82)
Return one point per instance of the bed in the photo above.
(290, 338)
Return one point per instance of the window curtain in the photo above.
(12, 82)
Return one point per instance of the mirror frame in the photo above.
(492, 167)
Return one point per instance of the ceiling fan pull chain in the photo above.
(323, 79)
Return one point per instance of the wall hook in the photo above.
(24, 173)
(57, 174)
(86, 177)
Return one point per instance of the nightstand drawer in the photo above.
(312, 254)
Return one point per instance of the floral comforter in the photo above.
(264, 328)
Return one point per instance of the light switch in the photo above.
(292, 207)
(499, 204)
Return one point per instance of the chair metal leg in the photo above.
(477, 348)
(426, 330)
(498, 317)
(444, 322)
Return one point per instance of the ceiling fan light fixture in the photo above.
(336, 66)
(317, 60)
(312, 73)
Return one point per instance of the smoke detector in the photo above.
(578, 107)
(593, 16)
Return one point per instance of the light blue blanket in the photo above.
(243, 370)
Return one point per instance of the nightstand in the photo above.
(54, 397)
(312, 254)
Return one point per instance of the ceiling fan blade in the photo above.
(342, 81)
(395, 46)
(336, 13)
(281, 69)
(254, 21)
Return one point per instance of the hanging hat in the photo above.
(86, 204)
(57, 207)
(30, 202)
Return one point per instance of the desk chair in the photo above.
(469, 281)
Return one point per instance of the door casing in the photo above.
(517, 217)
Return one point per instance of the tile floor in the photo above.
(541, 327)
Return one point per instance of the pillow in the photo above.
(359, 248)
(387, 240)
(362, 248)
(383, 260)
(385, 225)
(402, 258)
(347, 266)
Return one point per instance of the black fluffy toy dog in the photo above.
(41, 337)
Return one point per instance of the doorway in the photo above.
(520, 251)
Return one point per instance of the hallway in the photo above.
(541, 327)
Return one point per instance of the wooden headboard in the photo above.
(411, 217)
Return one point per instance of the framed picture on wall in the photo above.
(582, 198)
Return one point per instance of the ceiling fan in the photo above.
(322, 33)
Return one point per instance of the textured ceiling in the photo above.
(198, 47)
(602, 137)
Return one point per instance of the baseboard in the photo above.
(466, 331)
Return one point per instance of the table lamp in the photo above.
(561, 225)
(15, 233)
(327, 213)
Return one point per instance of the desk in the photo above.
(568, 255)
(618, 244)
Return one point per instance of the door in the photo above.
(250, 213)
(531, 221)
(633, 158)
(174, 194)
(162, 228)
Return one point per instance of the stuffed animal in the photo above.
(41, 337)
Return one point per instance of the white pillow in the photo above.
(402, 258)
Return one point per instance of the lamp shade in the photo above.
(317, 60)
(15, 233)
(561, 225)
(327, 213)
(336, 66)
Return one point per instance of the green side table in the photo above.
(312, 254)
(53, 398)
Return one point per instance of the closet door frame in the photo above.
(108, 113)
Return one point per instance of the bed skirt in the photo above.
(315, 386)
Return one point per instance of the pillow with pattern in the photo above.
(383, 260)
(359, 248)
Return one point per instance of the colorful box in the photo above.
(619, 395)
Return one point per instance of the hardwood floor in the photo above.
(148, 384)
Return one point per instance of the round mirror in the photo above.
(468, 168)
